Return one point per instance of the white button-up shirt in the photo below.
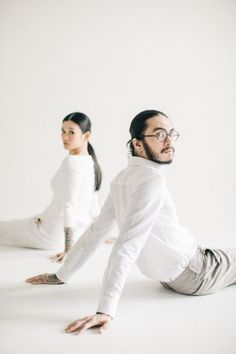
(149, 232)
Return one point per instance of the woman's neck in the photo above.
(79, 151)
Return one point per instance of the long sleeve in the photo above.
(94, 207)
(143, 210)
(89, 241)
(72, 183)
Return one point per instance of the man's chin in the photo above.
(167, 162)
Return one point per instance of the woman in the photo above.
(74, 203)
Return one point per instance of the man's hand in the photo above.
(45, 279)
(59, 257)
(79, 326)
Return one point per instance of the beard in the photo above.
(151, 155)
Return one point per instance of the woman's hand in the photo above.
(101, 321)
(59, 257)
(45, 278)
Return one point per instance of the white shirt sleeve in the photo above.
(94, 207)
(72, 181)
(89, 241)
(141, 215)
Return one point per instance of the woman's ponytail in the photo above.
(97, 168)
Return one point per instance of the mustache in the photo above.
(168, 148)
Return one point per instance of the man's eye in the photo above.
(161, 134)
(71, 132)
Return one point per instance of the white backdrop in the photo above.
(112, 59)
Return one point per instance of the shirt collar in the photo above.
(141, 161)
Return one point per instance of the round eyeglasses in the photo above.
(162, 135)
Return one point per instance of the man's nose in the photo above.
(168, 140)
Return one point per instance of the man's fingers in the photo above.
(90, 323)
(35, 278)
(76, 324)
(29, 280)
(35, 281)
(85, 323)
(103, 327)
(46, 278)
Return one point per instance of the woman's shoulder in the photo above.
(76, 162)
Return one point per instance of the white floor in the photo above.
(150, 318)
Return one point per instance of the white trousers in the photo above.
(45, 234)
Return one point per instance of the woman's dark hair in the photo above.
(139, 124)
(84, 123)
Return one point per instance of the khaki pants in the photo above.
(209, 271)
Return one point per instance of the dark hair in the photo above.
(139, 124)
(84, 123)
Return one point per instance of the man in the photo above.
(149, 230)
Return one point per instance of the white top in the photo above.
(149, 232)
(74, 202)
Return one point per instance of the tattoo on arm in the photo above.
(53, 279)
(69, 236)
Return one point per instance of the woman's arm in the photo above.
(72, 184)
(69, 239)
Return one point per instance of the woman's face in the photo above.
(73, 138)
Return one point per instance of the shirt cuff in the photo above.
(63, 274)
(108, 305)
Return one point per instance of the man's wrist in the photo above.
(54, 279)
(102, 313)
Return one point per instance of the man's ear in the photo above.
(136, 143)
(138, 146)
